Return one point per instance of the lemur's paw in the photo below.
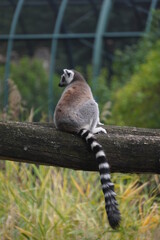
(100, 123)
(99, 130)
(103, 130)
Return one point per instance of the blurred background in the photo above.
(115, 44)
(110, 42)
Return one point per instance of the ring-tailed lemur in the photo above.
(77, 112)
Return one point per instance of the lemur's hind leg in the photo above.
(99, 129)
(99, 123)
(95, 122)
(90, 113)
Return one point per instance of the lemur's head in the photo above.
(69, 76)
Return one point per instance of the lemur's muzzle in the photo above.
(61, 85)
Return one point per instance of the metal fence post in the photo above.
(149, 19)
(9, 50)
(53, 55)
(101, 25)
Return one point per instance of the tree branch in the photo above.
(128, 149)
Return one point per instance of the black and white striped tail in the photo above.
(111, 204)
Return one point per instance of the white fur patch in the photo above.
(104, 165)
(89, 136)
(106, 185)
(83, 132)
(95, 144)
(109, 194)
(105, 176)
(69, 75)
(100, 154)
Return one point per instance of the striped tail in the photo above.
(111, 204)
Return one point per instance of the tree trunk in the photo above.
(128, 149)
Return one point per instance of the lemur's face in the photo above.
(66, 77)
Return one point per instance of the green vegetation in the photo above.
(31, 80)
(128, 61)
(135, 87)
(137, 103)
(51, 203)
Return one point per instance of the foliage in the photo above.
(63, 204)
(135, 83)
(137, 103)
(128, 61)
(31, 80)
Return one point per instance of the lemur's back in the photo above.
(74, 95)
(73, 99)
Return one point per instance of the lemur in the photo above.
(77, 112)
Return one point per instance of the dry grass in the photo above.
(51, 203)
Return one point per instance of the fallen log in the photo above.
(128, 149)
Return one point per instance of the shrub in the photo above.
(128, 61)
(31, 80)
(137, 103)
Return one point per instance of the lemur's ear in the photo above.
(67, 72)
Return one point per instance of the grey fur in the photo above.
(76, 108)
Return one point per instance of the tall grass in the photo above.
(52, 203)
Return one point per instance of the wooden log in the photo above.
(128, 149)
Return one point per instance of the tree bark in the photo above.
(128, 149)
